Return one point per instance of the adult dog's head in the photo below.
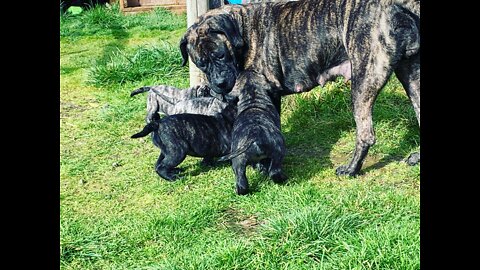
(214, 44)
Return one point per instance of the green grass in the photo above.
(116, 213)
(143, 62)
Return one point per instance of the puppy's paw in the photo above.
(279, 178)
(241, 190)
(177, 170)
(170, 175)
(413, 159)
(346, 170)
(207, 162)
(261, 168)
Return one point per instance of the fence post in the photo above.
(195, 8)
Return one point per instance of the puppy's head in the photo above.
(203, 90)
(214, 44)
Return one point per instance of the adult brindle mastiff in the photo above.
(297, 45)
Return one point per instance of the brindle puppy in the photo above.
(298, 45)
(195, 135)
(169, 100)
(256, 133)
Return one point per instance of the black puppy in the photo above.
(256, 135)
(195, 135)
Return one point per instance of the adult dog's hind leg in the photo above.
(408, 73)
(374, 51)
(366, 84)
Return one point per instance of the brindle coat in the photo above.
(297, 46)
(195, 135)
(169, 100)
(256, 136)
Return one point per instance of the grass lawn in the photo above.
(116, 213)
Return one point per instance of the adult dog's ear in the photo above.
(183, 49)
(226, 25)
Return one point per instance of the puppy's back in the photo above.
(205, 135)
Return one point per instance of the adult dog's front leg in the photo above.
(277, 101)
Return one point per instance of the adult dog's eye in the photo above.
(218, 55)
(201, 64)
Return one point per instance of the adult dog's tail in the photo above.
(140, 90)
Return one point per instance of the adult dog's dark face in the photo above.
(214, 44)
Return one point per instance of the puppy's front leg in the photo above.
(239, 165)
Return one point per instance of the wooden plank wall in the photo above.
(134, 6)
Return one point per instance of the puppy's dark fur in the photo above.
(256, 133)
(189, 134)
(299, 45)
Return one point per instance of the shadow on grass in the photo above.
(200, 168)
(120, 40)
(317, 123)
(400, 152)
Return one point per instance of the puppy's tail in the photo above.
(237, 152)
(145, 131)
(149, 128)
(140, 90)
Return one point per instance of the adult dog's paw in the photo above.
(346, 170)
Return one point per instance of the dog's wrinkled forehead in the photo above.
(200, 46)
(216, 28)
(202, 35)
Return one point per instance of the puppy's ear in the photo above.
(224, 24)
(183, 49)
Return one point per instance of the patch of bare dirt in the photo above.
(240, 223)
(308, 151)
(69, 108)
